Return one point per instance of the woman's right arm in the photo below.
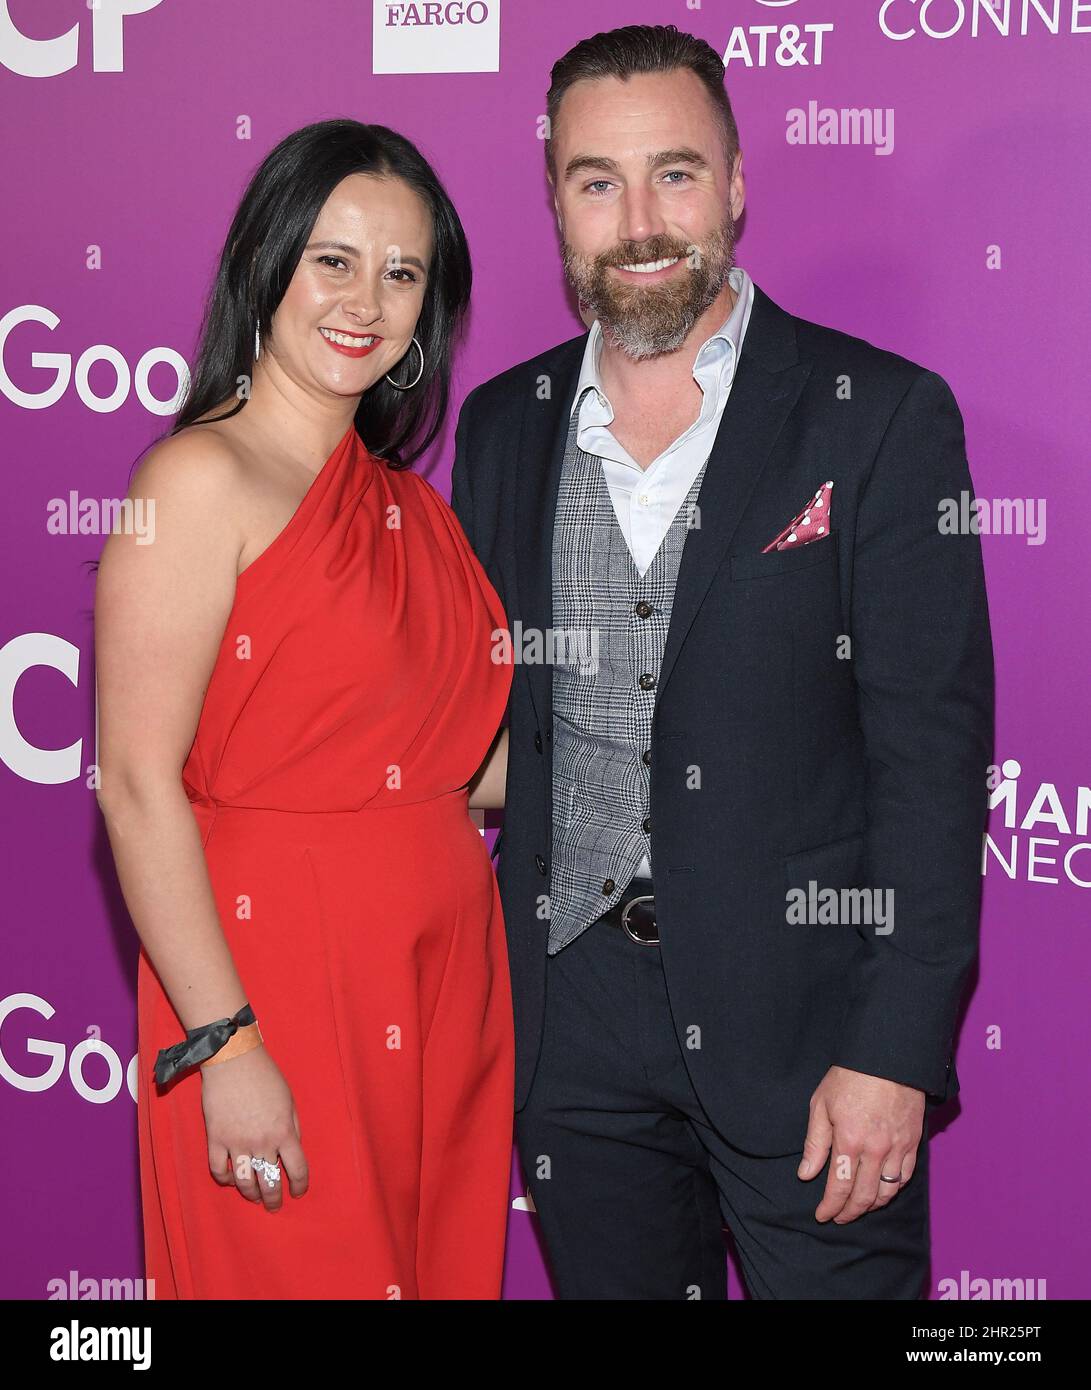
(160, 613)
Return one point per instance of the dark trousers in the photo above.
(633, 1185)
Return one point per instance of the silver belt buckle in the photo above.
(640, 940)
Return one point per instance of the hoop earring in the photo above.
(417, 378)
(257, 342)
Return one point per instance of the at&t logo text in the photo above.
(786, 45)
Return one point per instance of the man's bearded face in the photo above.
(644, 320)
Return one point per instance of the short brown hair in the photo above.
(638, 48)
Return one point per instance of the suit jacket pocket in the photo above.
(830, 917)
(838, 864)
(817, 552)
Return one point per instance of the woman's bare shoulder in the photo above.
(194, 488)
(203, 462)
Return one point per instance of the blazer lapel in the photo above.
(539, 455)
(765, 389)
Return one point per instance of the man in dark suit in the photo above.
(749, 730)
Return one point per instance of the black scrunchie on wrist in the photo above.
(199, 1045)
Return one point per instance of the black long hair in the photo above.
(263, 247)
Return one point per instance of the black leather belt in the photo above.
(635, 913)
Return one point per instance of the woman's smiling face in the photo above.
(350, 311)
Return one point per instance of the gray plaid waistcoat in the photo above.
(602, 713)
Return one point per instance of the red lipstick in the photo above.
(361, 351)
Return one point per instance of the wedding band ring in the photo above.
(885, 1179)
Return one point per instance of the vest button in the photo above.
(609, 886)
(646, 757)
(540, 862)
(647, 825)
(538, 742)
(644, 610)
(646, 681)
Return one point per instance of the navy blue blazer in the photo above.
(844, 764)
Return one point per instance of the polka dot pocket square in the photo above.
(812, 523)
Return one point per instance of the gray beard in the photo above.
(639, 341)
(638, 329)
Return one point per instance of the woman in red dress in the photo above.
(296, 692)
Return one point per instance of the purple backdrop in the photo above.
(950, 229)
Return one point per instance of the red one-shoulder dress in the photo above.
(354, 694)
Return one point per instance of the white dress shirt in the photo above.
(646, 500)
